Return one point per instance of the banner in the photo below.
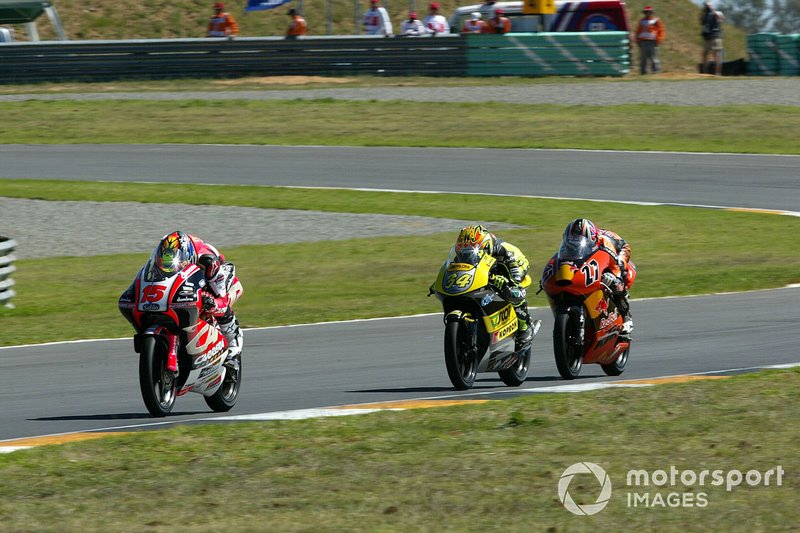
(263, 5)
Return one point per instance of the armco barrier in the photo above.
(204, 58)
(549, 54)
(6, 269)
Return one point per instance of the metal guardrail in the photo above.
(204, 58)
(6, 269)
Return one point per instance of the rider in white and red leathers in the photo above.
(178, 249)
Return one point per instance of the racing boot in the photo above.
(525, 332)
(229, 326)
(627, 321)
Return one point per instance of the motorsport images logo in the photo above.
(566, 479)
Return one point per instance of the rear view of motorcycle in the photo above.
(180, 347)
(480, 326)
(588, 321)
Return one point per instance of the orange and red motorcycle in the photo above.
(587, 319)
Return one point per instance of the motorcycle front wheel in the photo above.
(569, 355)
(617, 367)
(156, 381)
(458, 356)
(515, 376)
(225, 398)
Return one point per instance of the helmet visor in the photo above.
(576, 248)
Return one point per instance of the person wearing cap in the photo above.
(711, 22)
(222, 24)
(413, 26)
(499, 23)
(297, 26)
(376, 20)
(435, 22)
(474, 24)
(649, 34)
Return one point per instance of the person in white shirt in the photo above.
(413, 26)
(376, 20)
(435, 22)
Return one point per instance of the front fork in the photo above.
(470, 322)
(172, 344)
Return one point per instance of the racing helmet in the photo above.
(175, 252)
(581, 228)
(475, 237)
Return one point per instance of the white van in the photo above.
(588, 15)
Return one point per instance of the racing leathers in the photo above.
(617, 279)
(517, 265)
(217, 301)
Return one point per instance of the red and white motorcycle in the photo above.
(180, 347)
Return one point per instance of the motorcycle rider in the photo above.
(617, 278)
(478, 237)
(177, 250)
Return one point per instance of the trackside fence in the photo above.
(773, 54)
(6, 269)
(549, 54)
(544, 54)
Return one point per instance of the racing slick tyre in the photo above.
(157, 383)
(617, 367)
(515, 376)
(458, 357)
(225, 398)
(568, 353)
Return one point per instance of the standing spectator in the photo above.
(435, 22)
(499, 23)
(413, 26)
(376, 20)
(222, 23)
(297, 26)
(711, 21)
(649, 34)
(474, 24)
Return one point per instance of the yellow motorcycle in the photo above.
(480, 325)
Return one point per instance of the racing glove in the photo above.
(612, 282)
(209, 304)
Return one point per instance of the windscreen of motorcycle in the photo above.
(576, 249)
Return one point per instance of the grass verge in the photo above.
(493, 466)
(746, 128)
(75, 297)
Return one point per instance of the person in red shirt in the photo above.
(649, 34)
(499, 23)
(222, 24)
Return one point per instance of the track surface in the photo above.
(81, 386)
(771, 182)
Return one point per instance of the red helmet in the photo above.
(219, 5)
(475, 237)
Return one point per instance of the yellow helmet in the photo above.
(475, 237)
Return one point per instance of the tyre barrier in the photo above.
(773, 54)
(7, 246)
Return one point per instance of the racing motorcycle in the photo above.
(587, 320)
(181, 348)
(480, 325)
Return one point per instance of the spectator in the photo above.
(649, 34)
(376, 20)
(499, 23)
(435, 22)
(474, 24)
(222, 23)
(413, 26)
(297, 26)
(711, 21)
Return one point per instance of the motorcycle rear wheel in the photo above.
(157, 383)
(515, 376)
(458, 357)
(225, 398)
(569, 355)
(617, 367)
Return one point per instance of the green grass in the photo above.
(364, 278)
(492, 467)
(750, 129)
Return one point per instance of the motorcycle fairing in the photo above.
(501, 324)
(460, 278)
